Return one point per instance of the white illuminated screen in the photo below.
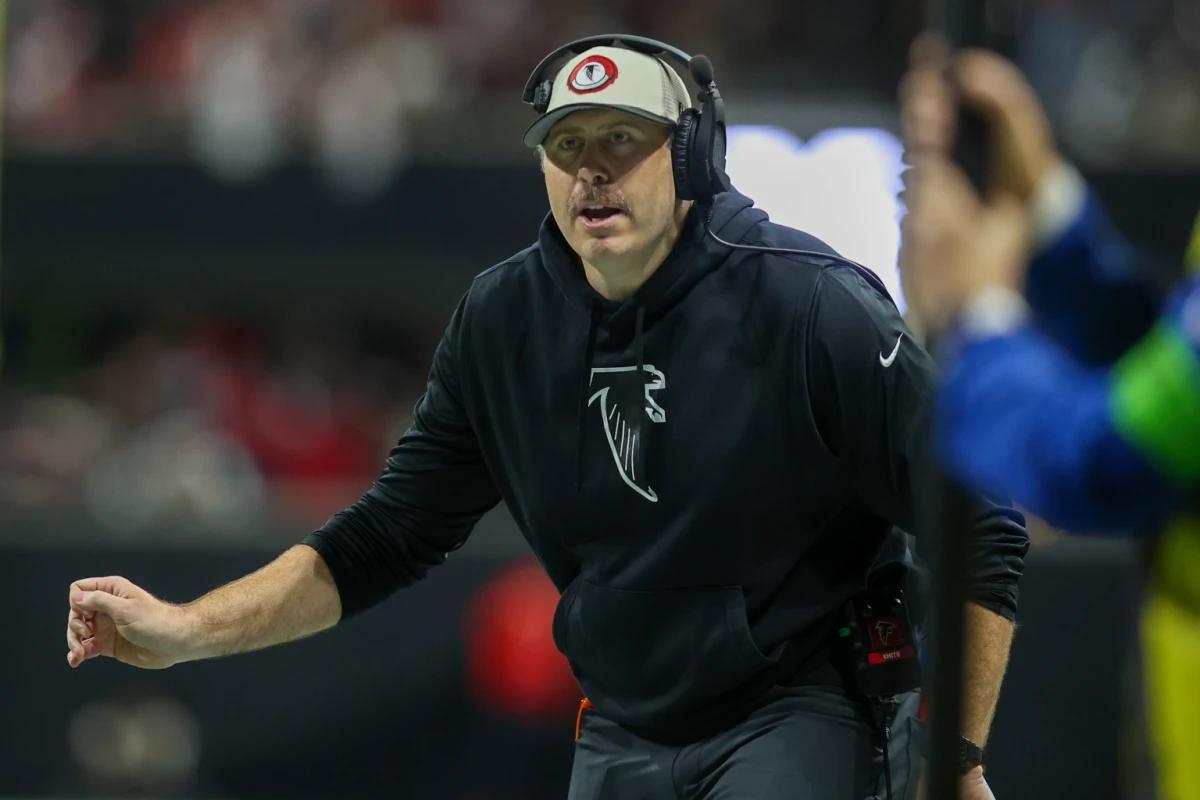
(842, 186)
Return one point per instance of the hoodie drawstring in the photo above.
(583, 395)
(640, 428)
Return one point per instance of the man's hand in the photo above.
(971, 786)
(115, 618)
(293, 596)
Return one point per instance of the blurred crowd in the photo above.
(212, 426)
(244, 84)
(217, 421)
(1120, 80)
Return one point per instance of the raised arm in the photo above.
(1039, 230)
(1030, 407)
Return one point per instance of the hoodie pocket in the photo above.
(647, 657)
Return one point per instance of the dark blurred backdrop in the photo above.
(232, 233)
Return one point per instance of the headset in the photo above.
(698, 142)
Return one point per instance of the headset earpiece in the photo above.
(681, 153)
(703, 144)
(717, 148)
(712, 157)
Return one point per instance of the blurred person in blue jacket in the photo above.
(1069, 383)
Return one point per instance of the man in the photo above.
(706, 448)
(1083, 403)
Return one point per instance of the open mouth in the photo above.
(599, 213)
(598, 217)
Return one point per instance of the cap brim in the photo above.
(536, 133)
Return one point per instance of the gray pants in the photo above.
(801, 743)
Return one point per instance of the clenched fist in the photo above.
(114, 617)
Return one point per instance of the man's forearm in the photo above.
(988, 640)
(292, 597)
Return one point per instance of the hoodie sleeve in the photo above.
(873, 390)
(433, 489)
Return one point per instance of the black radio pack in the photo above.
(882, 643)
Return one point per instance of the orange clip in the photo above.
(584, 704)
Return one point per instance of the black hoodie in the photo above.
(706, 470)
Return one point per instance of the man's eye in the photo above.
(621, 137)
(568, 143)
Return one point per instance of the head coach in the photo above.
(706, 425)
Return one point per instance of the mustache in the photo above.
(598, 196)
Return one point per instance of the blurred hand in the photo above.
(1022, 143)
(954, 245)
(954, 242)
(113, 617)
(927, 100)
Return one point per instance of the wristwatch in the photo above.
(970, 755)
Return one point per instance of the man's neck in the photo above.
(620, 280)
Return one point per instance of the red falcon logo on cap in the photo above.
(592, 74)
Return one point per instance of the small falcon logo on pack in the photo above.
(592, 74)
(623, 396)
(886, 632)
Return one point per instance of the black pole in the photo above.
(963, 23)
(950, 529)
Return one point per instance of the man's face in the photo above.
(612, 193)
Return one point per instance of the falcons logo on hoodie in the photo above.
(624, 400)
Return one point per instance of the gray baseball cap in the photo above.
(613, 77)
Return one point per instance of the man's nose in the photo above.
(593, 175)
(593, 170)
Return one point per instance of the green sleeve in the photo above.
(1156, 404)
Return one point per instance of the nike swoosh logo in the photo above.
(887, 362)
